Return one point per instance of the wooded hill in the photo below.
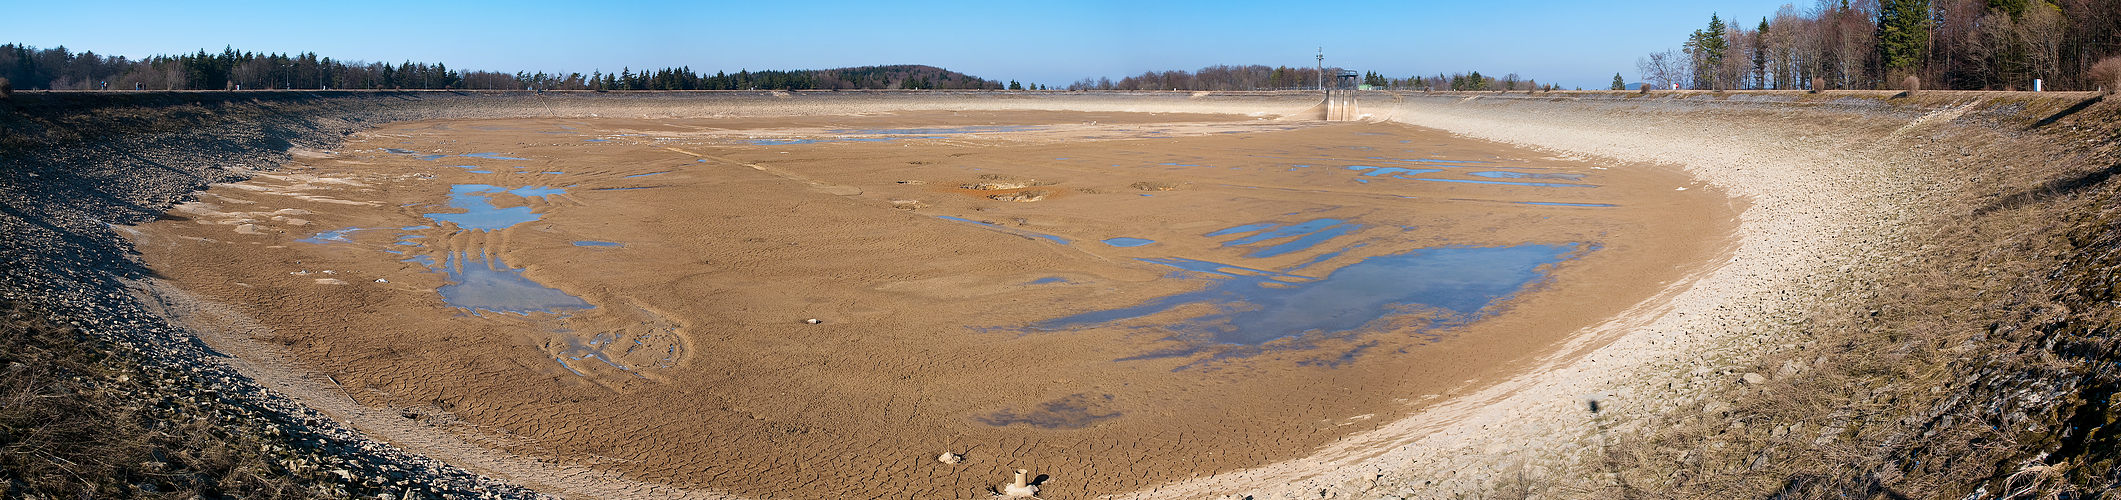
(1257, 77)
(28, 67)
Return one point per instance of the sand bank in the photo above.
(764, 221)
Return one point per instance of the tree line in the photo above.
(57, 68)
(1260, 77)
(1877, 44)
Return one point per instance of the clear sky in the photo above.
(1576, 43)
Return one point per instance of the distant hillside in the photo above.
(31, 68)
(1260, 77)
(900, 76)
(903, 76)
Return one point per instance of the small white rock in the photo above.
(813, 321)
(950, 458)
(381, 280)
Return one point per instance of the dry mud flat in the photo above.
(1116, 301)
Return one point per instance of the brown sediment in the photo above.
(730, 245)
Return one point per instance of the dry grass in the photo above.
(1155, 186)
(2106, 74)
(77, 423)
(1025, 196)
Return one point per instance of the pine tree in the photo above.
(1708, 47)
(1760, 79)
(1619, 83)
(1903, 34)
(2012, 7)
(1714, 47)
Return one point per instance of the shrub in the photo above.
(1818, 84)
(6, 88)
(1645, 88)
(1911, 84)
(2106, 74)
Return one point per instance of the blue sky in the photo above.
(1573, 43)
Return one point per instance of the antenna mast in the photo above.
(1321, 68)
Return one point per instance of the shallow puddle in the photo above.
(1421, 288)
(484, 283)
(1324, 257)
(480, 212)
(1306, 235)
(1403, 173)
(1497, 174)
(334, 236)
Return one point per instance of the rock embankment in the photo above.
(80, 167)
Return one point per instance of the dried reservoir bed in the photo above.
(1112, 300)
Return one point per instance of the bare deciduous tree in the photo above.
(1666, 68)
(2106, 75)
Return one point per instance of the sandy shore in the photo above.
(763, 226)
(1818, 205)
